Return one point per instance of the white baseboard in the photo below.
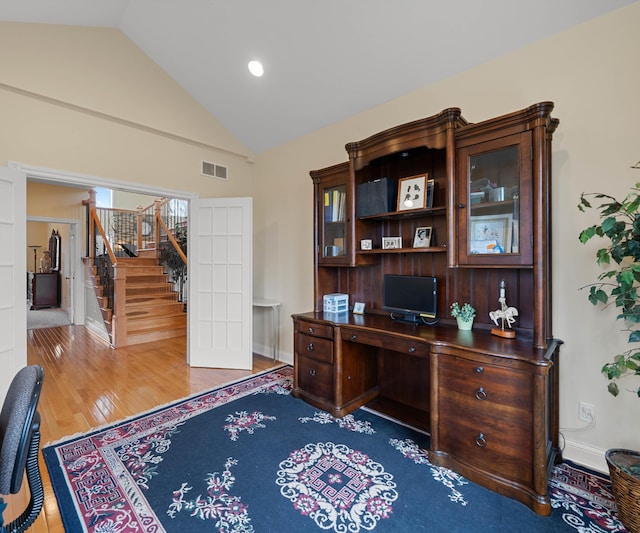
(267, 351)
(588, 456)
(97, 330)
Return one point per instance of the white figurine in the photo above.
(504, 314)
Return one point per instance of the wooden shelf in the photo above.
(430, 250)
(506, 204)
(406, 214)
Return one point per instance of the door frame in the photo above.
(70, 179)
(76, 304)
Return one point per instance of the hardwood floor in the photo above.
(88, 384)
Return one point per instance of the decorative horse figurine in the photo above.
(504, 314)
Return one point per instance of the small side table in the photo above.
(274, 305)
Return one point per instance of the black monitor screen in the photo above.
(411, 297)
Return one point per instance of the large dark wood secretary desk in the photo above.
(489, 404)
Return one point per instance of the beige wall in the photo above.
(87, 101)
(38, 234)
(131, 201)
(589, 72)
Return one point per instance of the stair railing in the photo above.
(171, 224)
(112, 280)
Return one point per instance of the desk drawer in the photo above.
(388, 342)
(314, 329)
(503, 448)
(315, 378)
(314, 347)
(486, 416)
(494, 384)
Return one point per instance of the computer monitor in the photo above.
(411, 298)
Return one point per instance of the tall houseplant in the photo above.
(620, 224)
(172, 260)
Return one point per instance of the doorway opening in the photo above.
(70, 191)
(62, 311)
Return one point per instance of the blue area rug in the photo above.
(249, 457)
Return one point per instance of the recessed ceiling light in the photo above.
(255, 67)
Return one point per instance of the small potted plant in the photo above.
(464, 315)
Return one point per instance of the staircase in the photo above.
(135, 298)
(151, 307)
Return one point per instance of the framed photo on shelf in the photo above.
(358, 308)
(391, 243)
(422, 237)
(412, 193)
(490, 234)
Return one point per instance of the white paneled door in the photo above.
(220, 283)
(13, 275)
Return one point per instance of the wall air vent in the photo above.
(213, 170)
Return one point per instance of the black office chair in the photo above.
(20, 445)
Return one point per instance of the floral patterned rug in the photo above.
(248, 457)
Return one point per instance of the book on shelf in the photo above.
(431, 187)
(334, 206)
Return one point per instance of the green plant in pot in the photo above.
(170, 257)
(464, 315)
(620, 224)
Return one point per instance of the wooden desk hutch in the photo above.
(489, 404)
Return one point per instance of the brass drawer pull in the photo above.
(312, 372)
(311, 331)
(310, 347)
(481, 441)
(412, 349)
(480, 370)
(481, 394)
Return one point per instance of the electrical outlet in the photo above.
(587, 412)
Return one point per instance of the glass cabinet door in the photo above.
(495, 211)
(332, 194)
(333, 222)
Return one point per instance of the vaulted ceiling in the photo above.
(324, 60)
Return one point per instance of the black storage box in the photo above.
(376, 197)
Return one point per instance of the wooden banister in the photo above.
(172, 240)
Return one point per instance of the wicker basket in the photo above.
(626, 486)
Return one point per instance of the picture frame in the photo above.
(366, 244)
(358, 308)
(412, 193)
(422, 237)
(490, 234)
(391, 243)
